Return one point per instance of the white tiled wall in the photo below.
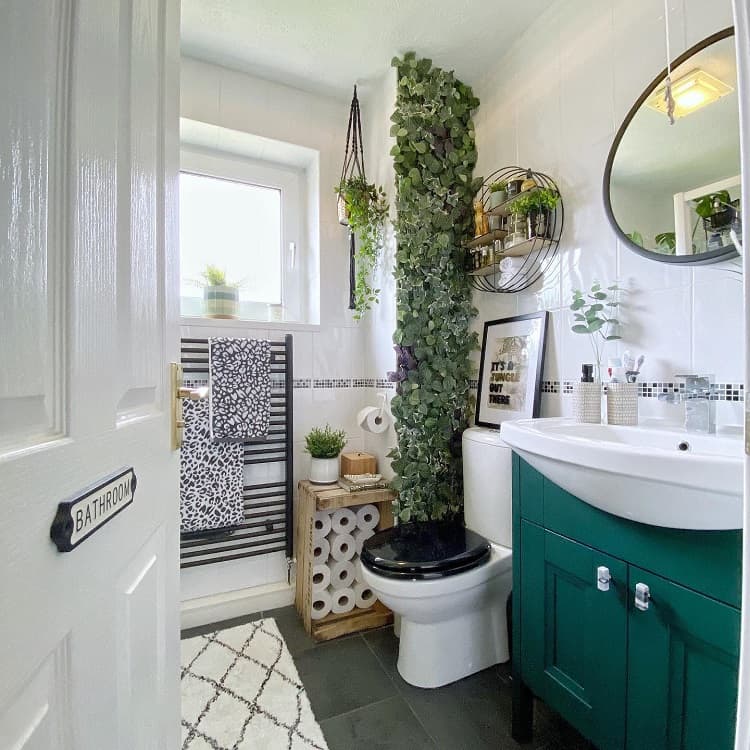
(553, 102)
(335, 348)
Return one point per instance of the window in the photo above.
(245, 218)
(235, 227)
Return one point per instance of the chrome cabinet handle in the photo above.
(603, 578)
(642, 596)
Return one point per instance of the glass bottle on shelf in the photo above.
(479, 219)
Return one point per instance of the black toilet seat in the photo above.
(424, 549)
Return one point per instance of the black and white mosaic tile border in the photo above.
(653, 389)
(323, 383)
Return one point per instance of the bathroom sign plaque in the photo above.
(85, 513)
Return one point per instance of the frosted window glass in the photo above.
(235, 226)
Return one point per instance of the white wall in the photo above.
(378, 100)
(553, 102)
(335, 349)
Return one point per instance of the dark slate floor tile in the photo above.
(223, 625)
(342, 675)
(384, 645)
(387, 725)
(471, 714)
(291, 627)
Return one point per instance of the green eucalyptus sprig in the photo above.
(594, 313)
(434, 159)
(367, 212)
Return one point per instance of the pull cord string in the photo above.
(668, 98)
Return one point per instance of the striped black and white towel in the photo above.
(240, 380)
(211, 475)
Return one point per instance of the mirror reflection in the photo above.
(674, 189)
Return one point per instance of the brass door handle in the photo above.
(194, 394)
(178, 393)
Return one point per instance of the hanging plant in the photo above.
(434, 159)
(366, 211)
(362, 207)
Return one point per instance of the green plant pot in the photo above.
(221, 301)
(498, 198)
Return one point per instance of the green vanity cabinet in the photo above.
(653, 672)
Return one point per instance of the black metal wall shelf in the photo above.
(532, 255)
(268, 505)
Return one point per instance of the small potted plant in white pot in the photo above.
(324, 446)
(498, 194)
(221, 298)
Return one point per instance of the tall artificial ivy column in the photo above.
(434, 158)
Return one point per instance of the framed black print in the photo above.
(510, 369)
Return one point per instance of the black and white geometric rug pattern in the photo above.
(241, 691)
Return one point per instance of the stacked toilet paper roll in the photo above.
(337, 585)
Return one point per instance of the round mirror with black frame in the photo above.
(672, 191)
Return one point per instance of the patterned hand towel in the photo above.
(211, 475)
(240, 379)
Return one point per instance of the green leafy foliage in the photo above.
(636, 237)
(325, 442)
(594, 314)
(367, 211)
(666, 242)
(498, 187)
(434, 159)
(535, 200)
(214, 276)
(707, 205)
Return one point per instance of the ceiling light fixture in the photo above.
(690, 93)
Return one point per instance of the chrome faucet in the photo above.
(700, 410)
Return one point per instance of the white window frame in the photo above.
(291, 183)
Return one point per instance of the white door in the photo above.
(88, 166)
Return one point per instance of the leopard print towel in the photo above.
(211, 475)
(240, 379)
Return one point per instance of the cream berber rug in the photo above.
(241, 691)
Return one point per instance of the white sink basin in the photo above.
(662, 477)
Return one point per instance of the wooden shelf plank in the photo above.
(334, 626)
(486, 239)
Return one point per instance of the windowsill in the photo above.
(266, 325)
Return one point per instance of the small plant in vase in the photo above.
(537, 206)
(221, 298)
(324, 446)
(498, 194)
(594, 314)
(364, 209)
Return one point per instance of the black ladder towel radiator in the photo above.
(268, 506)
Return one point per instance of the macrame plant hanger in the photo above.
(354, 166)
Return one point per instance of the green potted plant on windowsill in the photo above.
(365, 210)
(498, 194)
(324, 446)
(537, 206)
(221, 298)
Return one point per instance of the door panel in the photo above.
(32, 144)
(574, 635)
(93, 343)
(682, 669)
(37, 717)
(141, 187)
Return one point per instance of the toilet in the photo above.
(449, 583)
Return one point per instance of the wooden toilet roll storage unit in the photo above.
(312, 499)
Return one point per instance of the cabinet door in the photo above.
(682, 668)
(573, 635)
